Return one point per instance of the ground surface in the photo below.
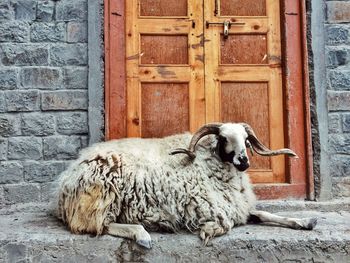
(29, 234)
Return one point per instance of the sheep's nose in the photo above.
(243, 159)
(244, 163)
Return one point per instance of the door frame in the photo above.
(296, 94)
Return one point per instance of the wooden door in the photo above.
(167, 72)
(164, 67)
(243, 74)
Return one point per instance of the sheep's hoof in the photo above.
(145, 243)
(312, 223)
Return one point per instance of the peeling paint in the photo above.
(166, 73)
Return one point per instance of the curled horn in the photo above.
(211, 128)
(260, 148)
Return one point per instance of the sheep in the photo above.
(123, 187)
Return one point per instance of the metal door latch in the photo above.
(227, 25)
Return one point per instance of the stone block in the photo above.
(14, 31)
(337, 34)
(338, 11)
(47, 192)
(339, 143)
(45, 10)
(21, 193)
(25, 9)
(22, 100)
(334, 123)
(6, 12)
(24, 54)
(43, 171)
(38, 124)
(67, 10)
(341, 187)
(72, 123)
(337, 56)
(2, 102)
(3, 149)
(339, 165)
(75, 78)
(338, 100)
(84, 141)
(11, 172)
(48, 32)
(346, 124)
(24, 148)
(15, 252)
(41, 78)
(61, 147)
(8, 79)
(64, 100)
(339, 79)
(68, 54)
(77, 32)
(10, 125)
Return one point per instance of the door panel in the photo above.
(243, 75)
(164, 67)
(158, 49)
(232, 93)
(164, 109)
(231, 51)
(242, 8)
(163, 8)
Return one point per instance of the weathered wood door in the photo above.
(243, 77)
(182, 71)
(188, 63)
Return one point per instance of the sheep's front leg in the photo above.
(295, 223)
(134, 232)
(209, 230)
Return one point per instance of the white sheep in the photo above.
(122, 187)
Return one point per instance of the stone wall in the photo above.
(43, 93)
(337, 38)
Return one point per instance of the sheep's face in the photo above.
(232, 143)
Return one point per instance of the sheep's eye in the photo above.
(249, 145)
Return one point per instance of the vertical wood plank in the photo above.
(294, 91)
(212, 83)
(132, 64)
(115, 75)
(196, 60)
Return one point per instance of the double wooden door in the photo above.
(193, 62)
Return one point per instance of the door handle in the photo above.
(227, 25)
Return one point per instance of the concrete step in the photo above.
(29, 234)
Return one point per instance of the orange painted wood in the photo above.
(163, 7)
(309, 158)
(295, 108)
(279, 191)
(165, 109)
(243, 7)
(156, 49)
(233, 53)
(236, 99)
(115, 76)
